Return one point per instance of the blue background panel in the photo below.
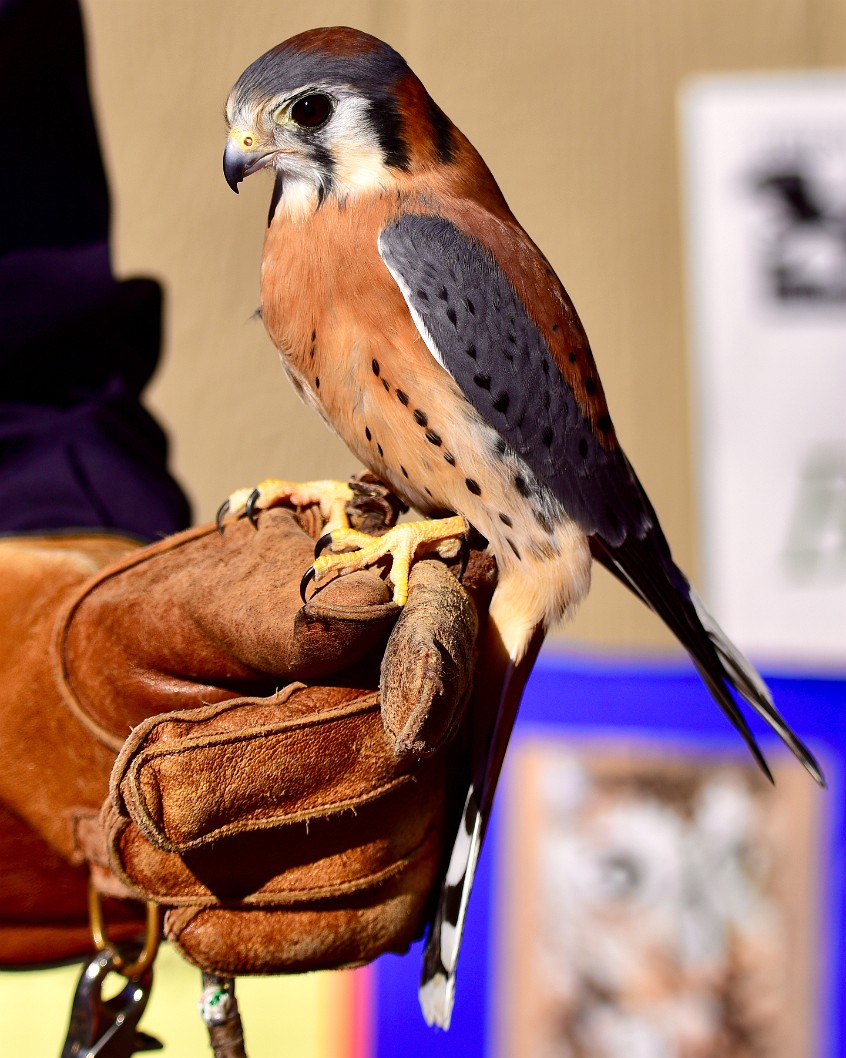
(618, 700)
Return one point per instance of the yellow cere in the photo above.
(244, 140)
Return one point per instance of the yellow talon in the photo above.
(403, 543)
(331, 496)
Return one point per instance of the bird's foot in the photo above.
(331, 496)
(403, 543)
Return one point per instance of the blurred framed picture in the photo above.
(661, 904)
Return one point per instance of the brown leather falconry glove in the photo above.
(287, 813)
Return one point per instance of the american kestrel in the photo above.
(419, 319)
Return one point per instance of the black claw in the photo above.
(322, 544)
(308, 577)
(222, 511)
(464, 557)
(364, 488)
(250, 509)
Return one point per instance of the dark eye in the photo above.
(311, 111)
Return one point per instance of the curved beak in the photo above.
(234, 165)
(239, 161)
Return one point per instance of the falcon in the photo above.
(417, 317)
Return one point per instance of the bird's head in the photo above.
(332, 111)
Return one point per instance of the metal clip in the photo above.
(152, 937)
(108, 1028)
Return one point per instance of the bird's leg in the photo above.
(331, 496)
(403, 543)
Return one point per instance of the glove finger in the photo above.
(309, 752)
(348, 619)
(331, 934)
(254, 609)
(427, 668)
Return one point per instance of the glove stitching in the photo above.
(158, 837)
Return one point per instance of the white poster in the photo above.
(765, 198)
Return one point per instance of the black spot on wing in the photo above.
(493, 349)
(501, 401)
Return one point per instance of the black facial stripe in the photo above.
(276, 197)
(322, 158)
(386, 120)
(444, 131)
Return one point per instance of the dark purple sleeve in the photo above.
(77, 346)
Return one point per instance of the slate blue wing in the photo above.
(476, 326)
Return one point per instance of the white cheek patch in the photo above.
(350, 124)
(356, 154)
(415, 315)
(362, 169)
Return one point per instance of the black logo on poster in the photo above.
(804, 251)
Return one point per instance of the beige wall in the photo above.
(571, 102)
